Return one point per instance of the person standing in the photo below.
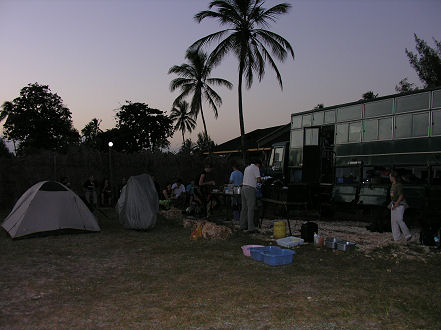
(397, 208)
(106, 194)
(236, 179)
(206, 184)
(90, 189)
(248, 195)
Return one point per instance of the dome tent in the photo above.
(48, 206)
(138, 204)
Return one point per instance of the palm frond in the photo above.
(179, 83)
(220, 82)
(278, 44)
(206, 41)
(212, 103)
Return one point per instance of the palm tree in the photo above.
(247, 39)
(183, 118)
(195, 79)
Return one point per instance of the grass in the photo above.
(161, 279)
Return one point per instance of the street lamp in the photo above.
(110, 144)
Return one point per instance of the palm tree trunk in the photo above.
(206, 133)
(242, 126)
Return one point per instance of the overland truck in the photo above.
(341, 155)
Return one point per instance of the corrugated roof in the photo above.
(257, 139)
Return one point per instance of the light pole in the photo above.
(110, 144)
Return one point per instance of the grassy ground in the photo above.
(160, 279)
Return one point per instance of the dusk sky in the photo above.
(96, 54)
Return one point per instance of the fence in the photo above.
(19, 173)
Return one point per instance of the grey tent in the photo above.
(48, 206)
(138, 204)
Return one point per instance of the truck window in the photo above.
(276, 160)
(376, 175)
(436, 122)
(329, 117)
(436, 99)
(436, 175)
(412, 102)
(412, 125)
(413, 174)
(378, 108)
(296, 138)
(311, 136)
(349, 113)
(317, 118)
(296, 122)
(347, 174)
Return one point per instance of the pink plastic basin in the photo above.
(246, 249)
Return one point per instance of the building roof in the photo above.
(259, 139)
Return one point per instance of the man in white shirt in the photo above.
(178, 189)
(251, 177)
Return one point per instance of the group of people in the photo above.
(92, 190)
(197, 197)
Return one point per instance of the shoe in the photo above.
(409, 238)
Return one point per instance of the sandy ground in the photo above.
(353, 231)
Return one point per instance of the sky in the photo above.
(96, 54)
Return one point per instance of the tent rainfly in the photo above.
(138, 204)
(49, 206)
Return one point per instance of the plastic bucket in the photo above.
(279, 229)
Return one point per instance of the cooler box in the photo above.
(308, 230)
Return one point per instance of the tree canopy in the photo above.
(247, 38)
(194, 80)
(204, 143)
(405, 86)
(37, 119)
(426, 62)
(142, 128)
(4, 151)
(91, 131)
(369, 96)
(183, 117)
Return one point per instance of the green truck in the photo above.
(340, 156)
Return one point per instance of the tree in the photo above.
(204, 143)
(183, 118)
(369, 96)
(405, 86)
(247, 39)
(142, 128)
(187, 147)
(91, 131)
(427, 63)
(194, 79)
(4, 151)
(37, 119)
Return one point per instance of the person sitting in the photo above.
(178, 193)
(167, 192)
(195, 206)
(189, 191)
(178, 189)
(166, 197)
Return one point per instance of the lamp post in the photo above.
(110, 144)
